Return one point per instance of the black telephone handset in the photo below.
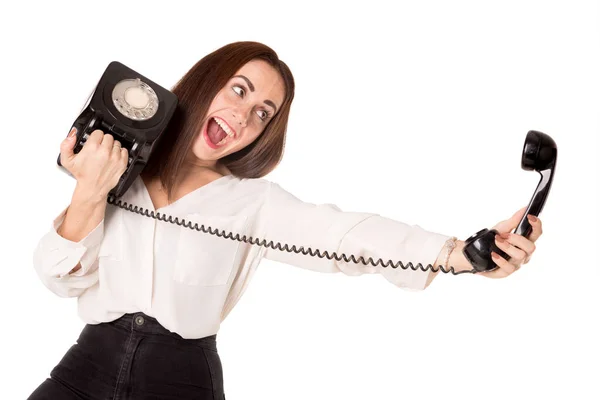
(132, 108)
(539, 154)
(137, 111)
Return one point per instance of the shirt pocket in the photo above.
(204, 258)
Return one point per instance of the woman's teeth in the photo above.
(226, 129)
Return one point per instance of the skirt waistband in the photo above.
(143, 323)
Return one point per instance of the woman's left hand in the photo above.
(519, 248)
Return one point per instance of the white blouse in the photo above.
(189, 280)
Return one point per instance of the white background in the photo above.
(416, 111)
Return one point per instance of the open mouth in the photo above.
(218, 132)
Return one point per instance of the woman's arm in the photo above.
(64, 256)
(325, 227)
(84, 214)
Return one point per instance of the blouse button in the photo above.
(139, 320)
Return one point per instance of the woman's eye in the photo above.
(262, 114)
(239, 91)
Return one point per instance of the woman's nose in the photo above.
(240, 118)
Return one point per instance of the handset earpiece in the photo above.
(539, 154)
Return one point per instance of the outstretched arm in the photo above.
(326, 228)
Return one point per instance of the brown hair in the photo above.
(195, 92)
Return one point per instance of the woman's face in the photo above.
(240, 111)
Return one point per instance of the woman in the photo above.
(153, 294)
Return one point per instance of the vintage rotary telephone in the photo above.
(134, 110)
(137, 111)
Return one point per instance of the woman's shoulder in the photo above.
(257, 185)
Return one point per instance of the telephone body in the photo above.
(137, 111)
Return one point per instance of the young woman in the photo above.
(153, 293)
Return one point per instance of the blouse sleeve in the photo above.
(292, 222)
(55, 256)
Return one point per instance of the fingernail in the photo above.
(532, 218)
(72, 132)
(505, 235)
(495, 256)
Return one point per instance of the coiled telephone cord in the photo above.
(278, 245)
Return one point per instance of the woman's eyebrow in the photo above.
(270, 103)
(250, 85)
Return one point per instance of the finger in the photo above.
(517, 255)
(95, 137)
(116, 149)
(519, 241)
(519, 214)
(503, 269)
(108, 141)
(124, 159)
(504, 265)
(536, 227)
(66, 148)
(511, 223)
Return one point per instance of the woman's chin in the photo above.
(205, 153)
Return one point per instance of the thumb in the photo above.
(511, 223)
(66, 148)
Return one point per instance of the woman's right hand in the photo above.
(100, 163)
